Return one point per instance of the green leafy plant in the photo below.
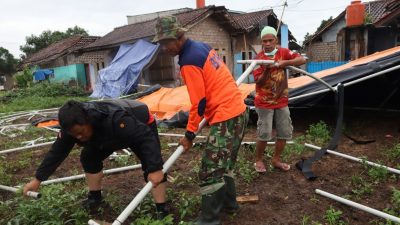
(58, 205)
(245, 168)
(169, 220)
(297, 148)
(39, 96)
(368, 19)
(332, 216)
(25, 78)
(306, 220)
(393, 153)
(378, 173)
(361, 187)
(186, 204)
(396, 199)
(318, 133)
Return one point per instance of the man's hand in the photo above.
(33, 185)
(156, 177)
(282, 63)
(186, 143)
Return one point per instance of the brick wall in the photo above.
(322, 51)
(217, 37)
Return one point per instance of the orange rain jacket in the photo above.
(212, 89)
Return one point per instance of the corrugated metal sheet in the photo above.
(313, 67)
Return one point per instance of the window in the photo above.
(102, 64)
(221, 53)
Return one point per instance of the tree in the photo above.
(36, 43)
(8, 63)
(323, 24)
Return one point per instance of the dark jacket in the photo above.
(116, 125)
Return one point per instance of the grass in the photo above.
(244, 165)
(318, 134)
(58, 205)
(31, 133)
(393, 154)
(39, 96)
(361, 187)
(333, 216)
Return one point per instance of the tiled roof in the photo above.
(249, 21)
(129, 33)
(392, 10)
(376, 9)
(59, 48)
(132, 32)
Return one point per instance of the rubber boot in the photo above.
(230, 204)
(211, 205)
(161, 211)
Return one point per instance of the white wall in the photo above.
(330, 34)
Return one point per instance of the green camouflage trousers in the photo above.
(221, 151)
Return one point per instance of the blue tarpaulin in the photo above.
(42, 74)
(122, 75)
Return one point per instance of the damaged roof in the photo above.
(235, 22)
(377, 10)
(132, 32)
(250, 21)
(59, 49)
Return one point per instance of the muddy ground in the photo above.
(284, 197)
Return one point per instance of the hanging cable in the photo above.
(283, 11)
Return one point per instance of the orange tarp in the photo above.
(166, 102)
(49, 123)
(303, 80)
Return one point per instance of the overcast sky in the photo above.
(21, 18)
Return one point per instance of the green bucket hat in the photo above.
(168, 27)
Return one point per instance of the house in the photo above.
(339, 41)
(234, 35)
(63, 58)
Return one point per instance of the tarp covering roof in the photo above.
(342, 74)
(122, 75)
(166, 102)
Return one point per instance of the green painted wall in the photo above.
(66, 74)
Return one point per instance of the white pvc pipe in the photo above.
(313, 77)
(257, 62)
(358, 206)
(147, 188)
(243, 143)
(309, 94)
(253, 64)
(15, 125)
(15, 190)
(26, 147)
(92, 222)
(354, 159)
(372, 75)
(177, 135)
(81, 176)
(268, 143)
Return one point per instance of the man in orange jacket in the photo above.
(214, 96)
